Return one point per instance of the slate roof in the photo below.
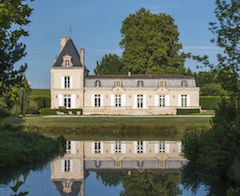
(69, 49)
(139, 77)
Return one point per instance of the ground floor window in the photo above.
(67, 101)
(183, 100)
(118, 147)
(97, 147)
(97, 100)
(140, 147)
(118, 100)
(140, 101)
(66, 165)
(161, 100)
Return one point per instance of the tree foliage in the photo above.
(110, 64)
(212, 89)
(150, 43)
(12, 12)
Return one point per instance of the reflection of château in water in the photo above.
(69, 172)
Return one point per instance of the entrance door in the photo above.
(140, 101)
(67, 101)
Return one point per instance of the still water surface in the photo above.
(113, 168)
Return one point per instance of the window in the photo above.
(97, 147)
(118, 147)
(117, 100)
(66, 165)
(67, 101)
(140, 163)
(184, 83)
(140, 83)
(97, 100)
(66, 82)
(183, 100)
(140, 101)
(162, 83)
(140, 147)
(161, 147)
(67, 184)
(161, 100)
(118, 82)
(68, 147)
(97, 83)
(67, 63)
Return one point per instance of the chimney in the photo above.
(63, 41)
(82, 57)
(129, 73)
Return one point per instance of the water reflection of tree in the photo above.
(111, 178)
(193, 179)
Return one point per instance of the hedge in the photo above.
(210, 103)
(48, 111)
(187, 111)
(42, 101)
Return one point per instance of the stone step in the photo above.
(140, 113)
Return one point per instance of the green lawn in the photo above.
(40, 121)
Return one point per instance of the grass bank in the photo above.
(104, 127)
(19, 148)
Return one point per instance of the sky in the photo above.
(95, 26)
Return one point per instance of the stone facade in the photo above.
(72, 87)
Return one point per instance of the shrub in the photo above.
(48, 111)
(42, 101)
(187, 111)
(210, 103)
(16, 110)
(32, 107)
(4, 112)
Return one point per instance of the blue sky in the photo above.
(96, 28)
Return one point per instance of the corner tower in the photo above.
(68, 77)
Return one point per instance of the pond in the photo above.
(112, 168)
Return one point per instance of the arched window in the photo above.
(162, 83)
(97, 83)
(118, 82)
(184, 83)
(140, 83)
(97, 163)
(140, 163)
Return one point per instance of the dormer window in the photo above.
(97, 83)
(140, 83)
(184, 83)
(67, 63)
(162, 83)
(118, 82)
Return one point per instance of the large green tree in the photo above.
(12, 12)
(110, 64)
(150, 43)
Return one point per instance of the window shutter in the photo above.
(135, 147)
(156, 100)
(93, 146)
(135, 101)
(73, 147)
(73, 100)
(60, 99)
(101, 100)
(156, 146)
(71, 82)
(167, 147)
(112, 100)
(101, 147)
(92, 98)
(123, 100)
(167, 100)
(62, 82)
(71, 165)
(123, 148)
(144, 147)
(144, 101)
(188, 100)
(179, 147)
(63, 164)
(179, 100)
(112, 147)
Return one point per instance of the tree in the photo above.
(212, 89)
(110, 64)
(150, 43)
(12, 12)
(25, 92)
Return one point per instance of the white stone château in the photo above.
(72, 87)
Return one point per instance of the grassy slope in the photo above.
(61, 121)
